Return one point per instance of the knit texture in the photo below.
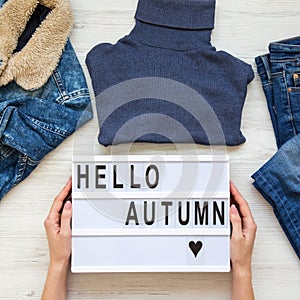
(188, 14)
(145, 84)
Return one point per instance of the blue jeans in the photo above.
(279, 179)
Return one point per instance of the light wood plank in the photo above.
(243, 28)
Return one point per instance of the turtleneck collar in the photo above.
(177, 24)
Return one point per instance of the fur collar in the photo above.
(33, 65)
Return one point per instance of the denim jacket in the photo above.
(34, 122)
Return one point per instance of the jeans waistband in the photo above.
(280, 52)
(288, 49)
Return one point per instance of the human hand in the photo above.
(58, 227)
(243, 232)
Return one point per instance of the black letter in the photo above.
(132, 215)
(155, 184)
(147, 222)
(187, 214)
(83, 176)
(98, 176)
(116, 185)
(133, 185)
(166, 204)
(217, 211)
(201, 214)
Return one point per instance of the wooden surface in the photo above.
(243, 28)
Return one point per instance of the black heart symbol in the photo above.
(195, 247)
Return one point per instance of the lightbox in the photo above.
(151, 214)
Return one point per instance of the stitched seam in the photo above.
(60, 86)
(32, 162)
(80, 96)
(276, 73)
(50, 129)
(286, 46)
(283, 60)
(269, 83)
(74, 95)
(262, 72)
(79, 93)
(39, 124)
(289, 104)
(21, 169)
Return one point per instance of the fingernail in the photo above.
(68, 205)
(234, 209)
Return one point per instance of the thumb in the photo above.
(236, 222)
(66, 216)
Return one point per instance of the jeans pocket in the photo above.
(294, 93)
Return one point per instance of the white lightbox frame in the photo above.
(95, 236)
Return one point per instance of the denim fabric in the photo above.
(280, 75)
(33, 123)
(171, 40)
(279, 179)
(279, 183)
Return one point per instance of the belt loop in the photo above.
(266, 63)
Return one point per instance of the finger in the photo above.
(236, 223)
(58, 201)
(66, 216)
(249, 226)
(244, 208)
